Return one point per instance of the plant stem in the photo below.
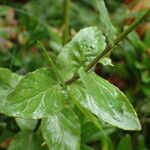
(110, 47)
(71, 96)
(66, 21)
(118, 39)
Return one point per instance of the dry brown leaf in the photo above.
(141, 5)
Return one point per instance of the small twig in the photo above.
(45, 53)
(52, 64)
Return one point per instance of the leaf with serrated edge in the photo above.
(105, 101)
(62, 131)
(37, 95)
(80, 51)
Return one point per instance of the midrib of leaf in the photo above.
(30, 98)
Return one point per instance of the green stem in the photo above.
(66, 21)
(50, 60)
(115, 43)
(119, 39)
(83, 110)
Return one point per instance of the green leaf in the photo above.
(147, 38)
(105, 101)
(26, 140)
(146, 76)
(136, 41)
(86, 147)
(145, 107)
(8, 82)
(91, 117)
(125, 143)
(141, 143)
(106, 61)
(38, 94)
(146, 89)
(83, 48)
(26, 124)
(62, 131)
(90, 133)
(105, 22)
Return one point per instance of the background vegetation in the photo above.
(23, 22)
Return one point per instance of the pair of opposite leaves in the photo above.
(39, 94)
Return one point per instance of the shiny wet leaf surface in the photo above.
(105, 101)
(62, 131)
(80, 51)
(38, 94)
(8, 81)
